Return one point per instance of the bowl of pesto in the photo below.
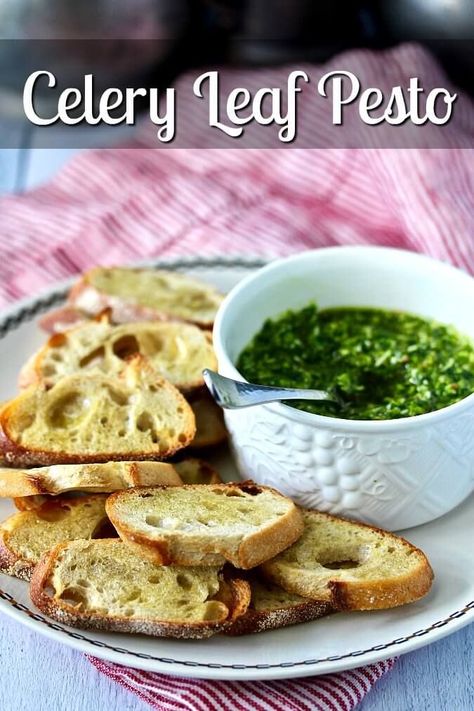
(391, 332)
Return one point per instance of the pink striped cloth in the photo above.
(333, 692)
(114, 206)
(111, 206)
(315, 129)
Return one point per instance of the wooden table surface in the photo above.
(39, 675)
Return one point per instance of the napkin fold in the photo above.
(120, 205)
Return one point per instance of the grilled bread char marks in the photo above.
(243, 523)
(97, 418)
(125, 593)
(178, 352)
(145, 295)
(350, 565)
(95, 478)
(25, 536)
(271, 608)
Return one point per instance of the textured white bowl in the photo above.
(392, 473)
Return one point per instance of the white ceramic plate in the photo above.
(332, 644)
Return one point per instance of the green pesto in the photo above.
(383, 364)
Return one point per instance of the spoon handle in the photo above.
(232, 394)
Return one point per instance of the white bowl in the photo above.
(392, 473)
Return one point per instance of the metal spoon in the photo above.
(232, 394)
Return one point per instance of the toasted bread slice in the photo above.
(61, 319)
(244, 524)
(210, 427)
(25, 536)
(124, 476)
(96, 478)
(30, 503)
(351, 565)
(102, 585)
(177, 351)
(96, 418)
(145, 295)
(196, 471)
(271, 607)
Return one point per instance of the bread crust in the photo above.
(210, 426)
(99, 333)
(29, 503)
(384, 595)
(60, 319)
(11, 562)
(234, 593)
(18, 483)
(252, 550)
(359, 594)
(262, 620)
(15, 454)
(203, 473)
(12, 481)
(29, 372)
(87, 299)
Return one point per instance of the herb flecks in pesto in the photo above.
(384, 364)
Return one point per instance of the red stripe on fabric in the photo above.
(162, 684)
(332, 688)
(325, 691)
(229, 691)
(306, 689)
(330, 697)
(342, 687)
(228, 696)
(156, 697)
(257, 692)
(113, 674)
(364, 677)
(200, 690)
(183, 690)
(350, 682)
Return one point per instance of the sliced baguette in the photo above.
(96, 418)
(31, 503)
(102, 585)
(96, 478)
(271, 607)
(61, 319)
(210, 427)
(350, 565)
(177, 351)
(196, 471)
(244, 523)
(25, 536)
(145, 295)
(124, 476)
